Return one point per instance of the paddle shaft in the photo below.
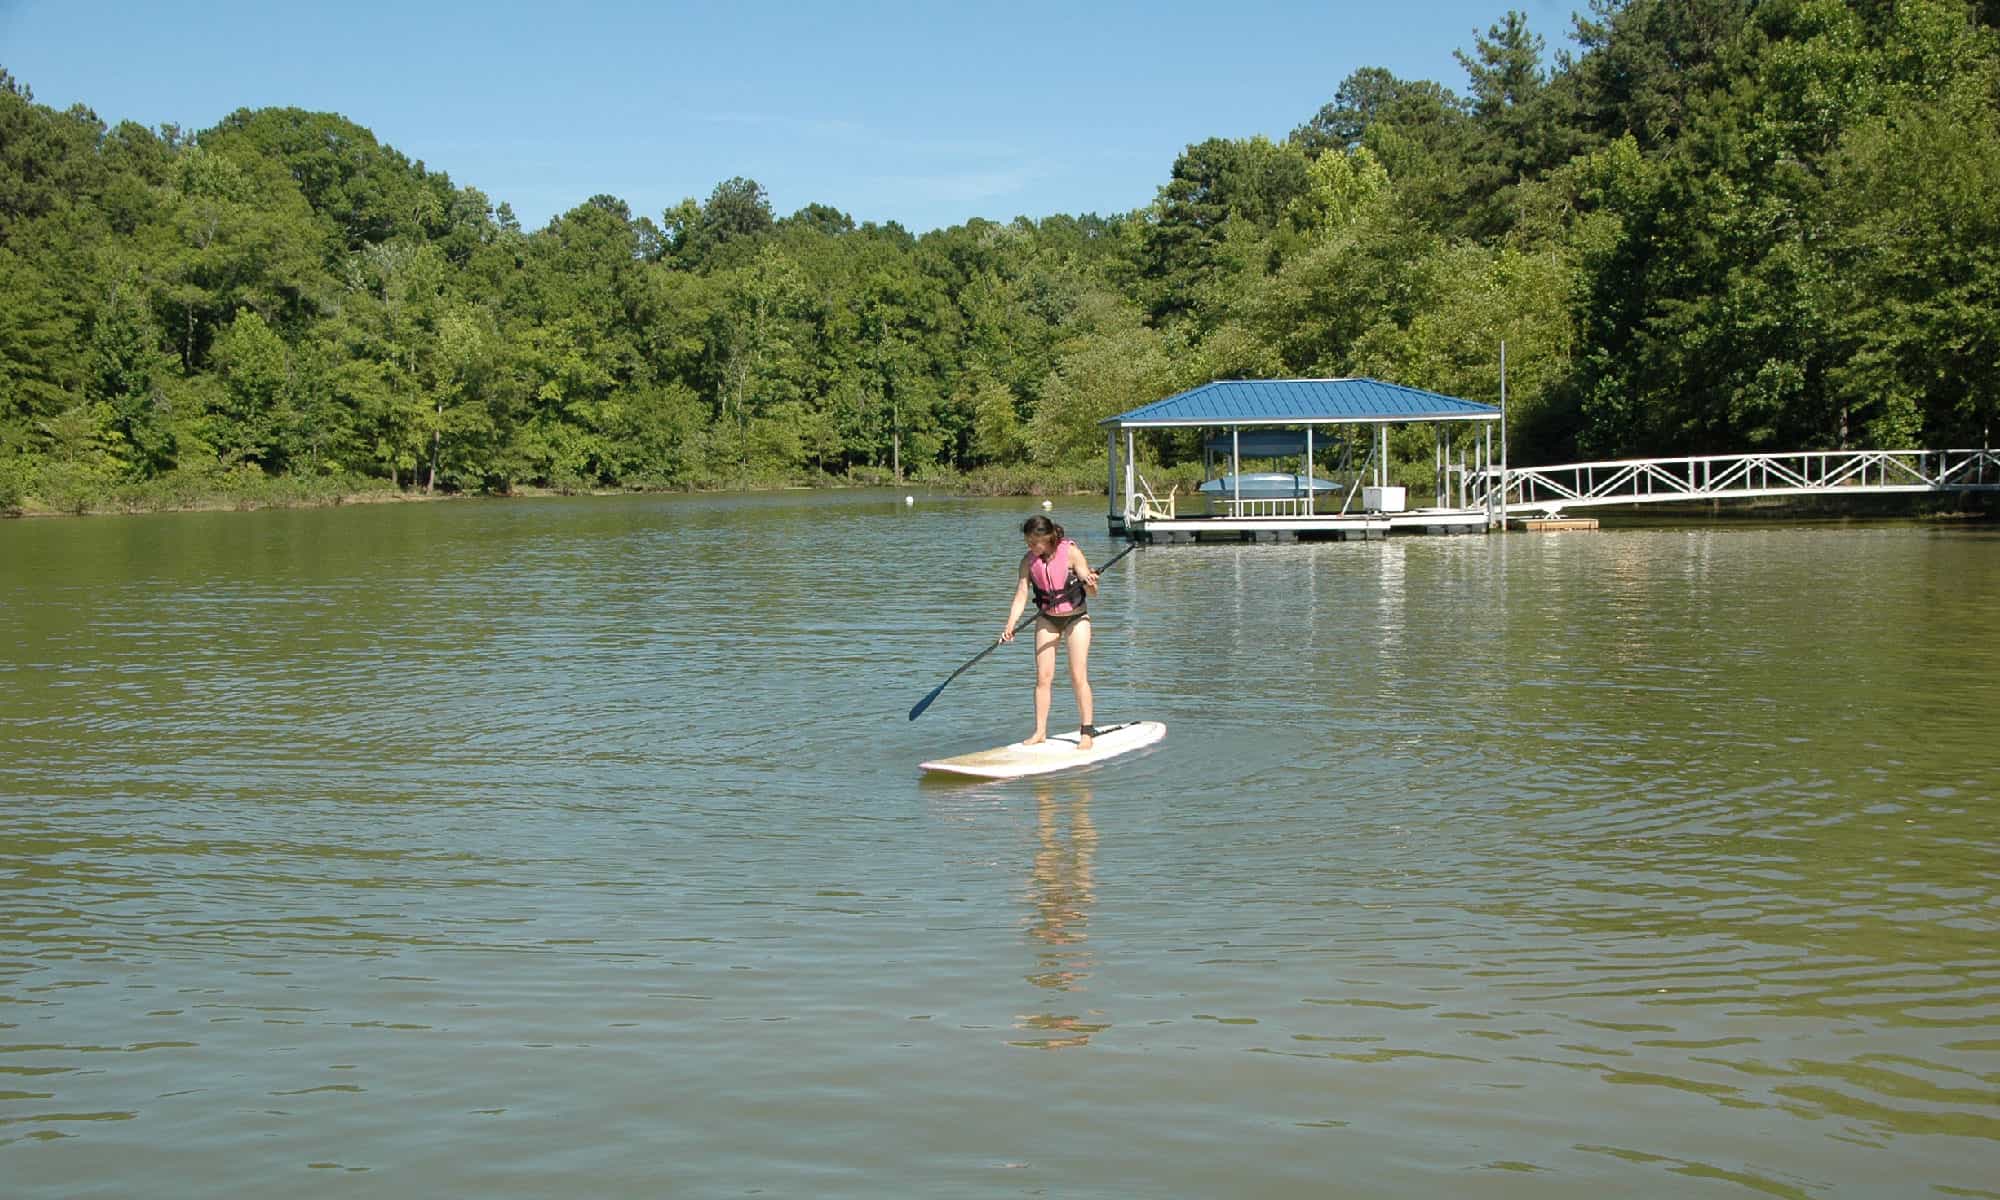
(925, 703)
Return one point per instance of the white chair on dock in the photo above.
(1151, 506)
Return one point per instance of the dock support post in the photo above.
(1503, 436)
(1236, 469)
(1131, 472)
(1111, 483)
(1311, 508)
(1437, 465)
(1487, 457)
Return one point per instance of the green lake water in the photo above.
(577, 847)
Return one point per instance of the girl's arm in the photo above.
(1020, 602)
(1082, 566)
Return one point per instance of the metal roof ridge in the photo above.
(1328, 400)
(1288, 381)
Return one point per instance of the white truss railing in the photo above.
(1549, 490)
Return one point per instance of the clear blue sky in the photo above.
(928, 115)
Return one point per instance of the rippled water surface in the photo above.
(577, 847)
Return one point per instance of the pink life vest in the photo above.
(1058, 591)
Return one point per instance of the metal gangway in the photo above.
(1548, 491)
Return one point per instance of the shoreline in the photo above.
(1942, 507)
(225, 502)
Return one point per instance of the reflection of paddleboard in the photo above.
(1059, 753)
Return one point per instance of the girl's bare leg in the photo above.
(1078, 646)
(1045, 677)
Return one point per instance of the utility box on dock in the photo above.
(1384, 499)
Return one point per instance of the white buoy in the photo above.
(910, 501)
(1047, 505)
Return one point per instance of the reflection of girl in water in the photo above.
(1062, 872)
(1061, 890)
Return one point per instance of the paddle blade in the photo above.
(925, 703)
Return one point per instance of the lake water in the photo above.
(577, 847)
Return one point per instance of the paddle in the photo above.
(925, 703)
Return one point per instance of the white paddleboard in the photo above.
(1059, 752)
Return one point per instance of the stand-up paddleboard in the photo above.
(1060, 752)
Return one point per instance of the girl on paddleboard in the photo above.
(1055, 574)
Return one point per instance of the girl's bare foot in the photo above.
(1084, 742)
(1039, 738)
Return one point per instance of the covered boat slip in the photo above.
(1294, 425)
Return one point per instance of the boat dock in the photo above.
(1325, 444)
(1331, 436)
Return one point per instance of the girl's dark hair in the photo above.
(1039, 526)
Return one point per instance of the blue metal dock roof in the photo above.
(1302, 402)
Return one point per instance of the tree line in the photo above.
(1702, 226)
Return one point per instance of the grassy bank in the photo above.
(59, 492)
(1905, 506)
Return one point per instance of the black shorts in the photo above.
(1061, 622)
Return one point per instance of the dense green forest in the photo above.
(1707, 225)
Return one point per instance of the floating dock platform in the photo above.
(1351, 527)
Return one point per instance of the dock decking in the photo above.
(1351, 527)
